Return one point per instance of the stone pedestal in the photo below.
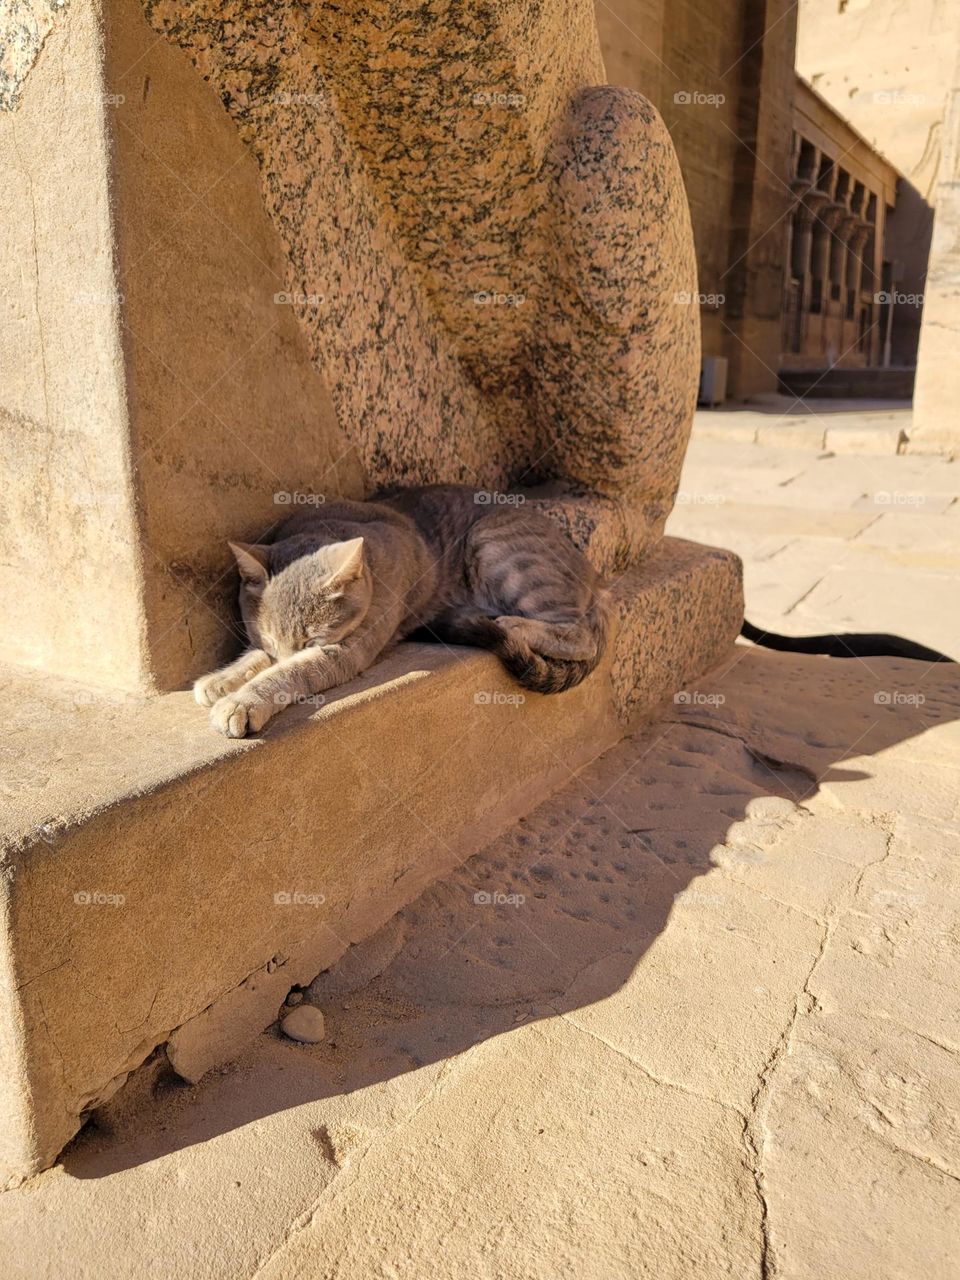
(270, 255)
(154, 393)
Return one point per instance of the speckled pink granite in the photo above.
(489, 247)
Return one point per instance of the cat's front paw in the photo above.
(210, 689)
(236, 716)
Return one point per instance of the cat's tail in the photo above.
(531, 669)
(849, 644)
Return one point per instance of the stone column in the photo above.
(802, 220)
(156, 390)
(858, 240)
(814, 201)
(936, 416)
(833, 272)
(764, 126)
(801, 241)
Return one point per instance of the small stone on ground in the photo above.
(304, 1023)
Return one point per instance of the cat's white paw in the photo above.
(208, 690)
(230, 717)
(238, 714)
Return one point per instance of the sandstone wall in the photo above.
(936, 425)
(722, 76)
(886, 66)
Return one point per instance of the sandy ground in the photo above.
(694, 1017)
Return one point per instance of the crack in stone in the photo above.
(348, 1173)
(755, 1129)
(809, 592)
(922, 1035)
(652, 1076)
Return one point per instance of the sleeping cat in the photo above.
(336, 588)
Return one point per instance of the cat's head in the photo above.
(292, 601)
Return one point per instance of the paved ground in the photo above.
(831, 541)
(696, 1017)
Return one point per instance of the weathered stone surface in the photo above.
(154, 395)
(937, 422)
(218, 874)
(832, 542)
(24, 26)
(645, 988)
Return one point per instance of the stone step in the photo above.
(894, 383)
(164, 886)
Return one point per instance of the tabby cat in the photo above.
(335, 588)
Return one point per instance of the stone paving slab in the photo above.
(694, 1016)
(832, 543)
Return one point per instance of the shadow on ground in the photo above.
(679, 823)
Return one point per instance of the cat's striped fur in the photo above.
(336, 587)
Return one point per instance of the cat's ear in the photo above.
(252, 561)
(345, 559)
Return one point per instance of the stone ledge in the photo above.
(869, 433)
(144, 854)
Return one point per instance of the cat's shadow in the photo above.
(684, 816)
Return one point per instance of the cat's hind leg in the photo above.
(571, 641)
(540, 589)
